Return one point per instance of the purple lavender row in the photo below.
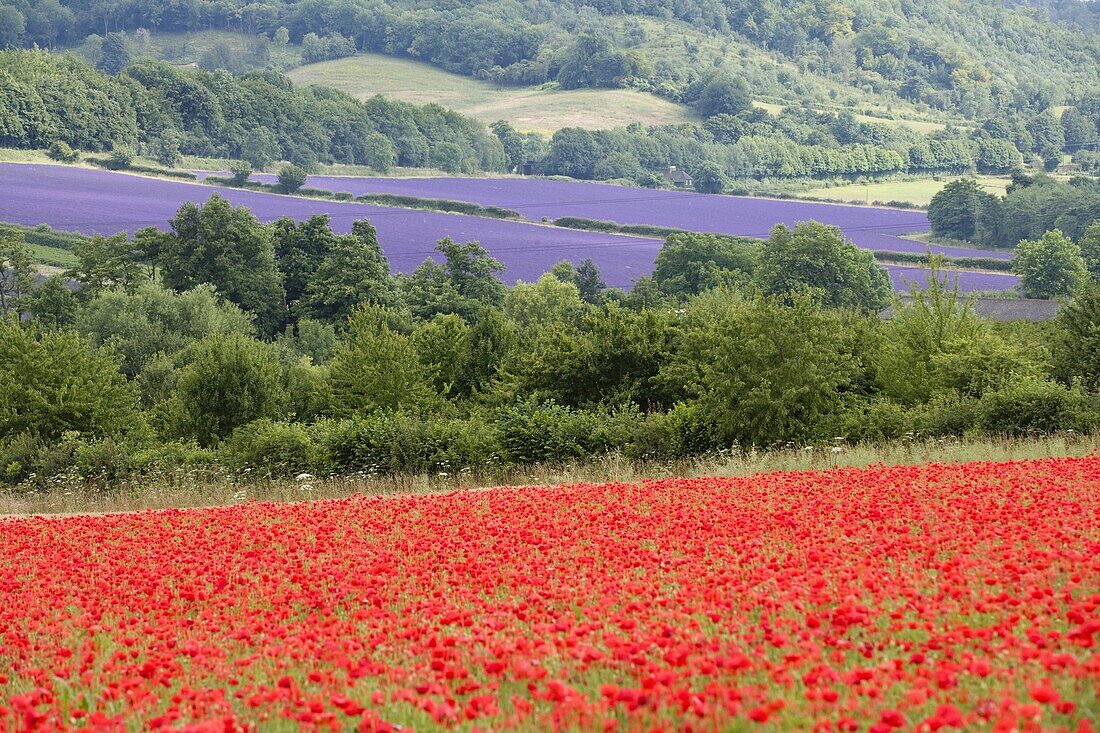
(94, 201)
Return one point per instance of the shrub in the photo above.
(291, 178)
(62, 153)
(279, 449)
(120, 158)
(536, 432)
(1030, 405)
(241, 170)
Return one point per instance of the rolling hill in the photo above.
(529, 109)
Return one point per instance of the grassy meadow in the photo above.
(529, 109)
(918, 192)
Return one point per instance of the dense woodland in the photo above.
(970, 55)
(300, 351)
(164, 111)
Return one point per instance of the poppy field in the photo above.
(936, 597)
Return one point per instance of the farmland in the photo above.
(930, 597)
(868, 227)
(91, 201)
(532, 109)
(917, 192)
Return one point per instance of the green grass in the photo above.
(198, 488)
(527, 108)
(53, 257)
(918, 191)
(187, 49)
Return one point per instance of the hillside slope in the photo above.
(529, 109)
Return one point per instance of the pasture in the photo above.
(533, 109)
(918, 192)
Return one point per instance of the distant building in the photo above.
(528, 168)
(1069, 168)
(679, 178)
(1001, 309)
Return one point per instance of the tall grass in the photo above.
(199, 489)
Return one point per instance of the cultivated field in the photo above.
(527, 108)
(917, 192)
(91, 201)
(916, 598)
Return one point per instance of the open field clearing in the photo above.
(918, 192)
(527, 108)
(925, 598)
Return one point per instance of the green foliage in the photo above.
(277, 449)
(955, 210)
(377, 368)
(241, 170)
(53, 304)
(16, 272)
(152, 321)
(229, 380)
(710, 179)
(1076, 346)
(291, 178)
(54, 382)
(817, 258)
(120, 158)
(689, 264)
(1050, 267)
(464, 284)
(541, 432)
(216, 244)
(1031, 405)
(774, 372)
(107, 262)
(723, 94)
(62, 153)
(1090, 249)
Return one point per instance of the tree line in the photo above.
(261, 117)
(229, 344)
(975, 58)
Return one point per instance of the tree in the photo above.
(229, 249)
(1076, 344)
(818, 258)
(953, 212)
(377, 369)
(62, 153)
(116, 53)
(710, 178)
(573, 152)
(688, 264)
(16, 272)
(775, 372)
(166, 148)
(107, 262)
(291, 178)
(1050, 267)
(1090, 249)
(152, 320)
(229, 380)
(53, 382)
(354, 271)
(53, 304)
(12, 26)
(464, 283)
(241, 171)
(260, 148)
(723, 93)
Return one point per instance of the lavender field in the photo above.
(869, 227)
(94, 201)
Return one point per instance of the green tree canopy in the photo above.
(1049, 267)
(818, 258)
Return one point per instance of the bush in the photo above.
(241, 170)
(62, 153)
(537, 432)
(291, 178)
(1031, 405)
(120, 159)
(279, 449)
